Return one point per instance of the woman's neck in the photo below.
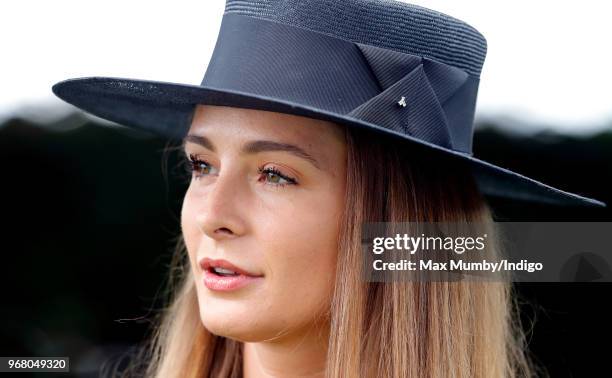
(300, 354)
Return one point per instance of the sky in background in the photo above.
(549, 63)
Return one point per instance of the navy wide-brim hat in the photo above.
(392, 67)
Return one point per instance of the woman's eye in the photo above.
(198, 167)
(276, 178)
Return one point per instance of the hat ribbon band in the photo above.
(411, 94)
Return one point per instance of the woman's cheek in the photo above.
(303, 268)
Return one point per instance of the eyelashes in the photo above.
(273, 174)
(197, 168)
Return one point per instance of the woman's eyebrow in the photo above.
(256, 146)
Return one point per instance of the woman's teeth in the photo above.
(224, 272)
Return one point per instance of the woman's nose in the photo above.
(222, 207)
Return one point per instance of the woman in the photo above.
(292, 224)
(313, 118)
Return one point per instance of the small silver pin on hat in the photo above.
(402, 102)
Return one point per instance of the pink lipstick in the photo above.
(221, 275)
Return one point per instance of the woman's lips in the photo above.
(216, 280)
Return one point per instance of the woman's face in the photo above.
(266, 196)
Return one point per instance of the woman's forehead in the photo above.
(243, 123)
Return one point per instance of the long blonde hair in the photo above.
(392, 329)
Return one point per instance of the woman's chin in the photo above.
(237, 328)
(236, 320)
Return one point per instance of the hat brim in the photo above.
(166, 109)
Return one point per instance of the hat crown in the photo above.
(389, 24)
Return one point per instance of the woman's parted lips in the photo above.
(208, 263)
